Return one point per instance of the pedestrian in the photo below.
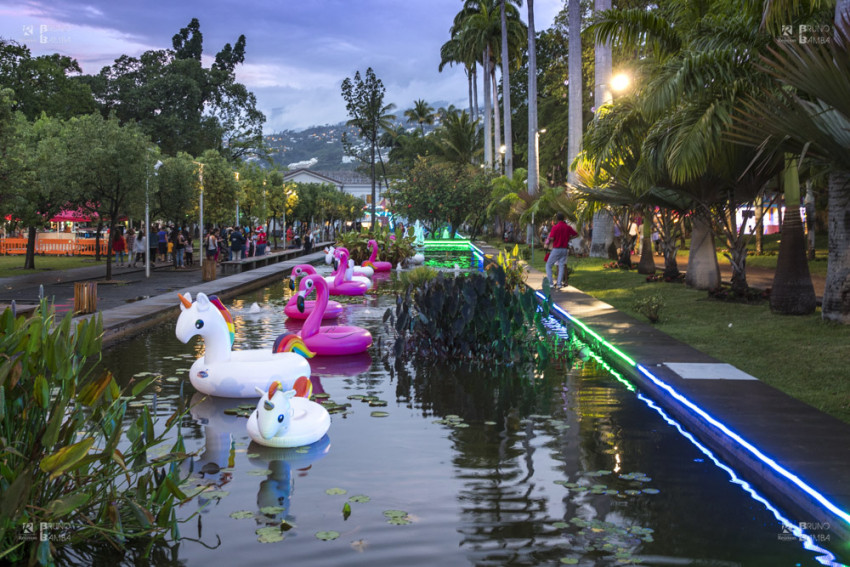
(189, 250)
(119, 246)
(179, 249)
(139, 248)
(288, 237)
(212, 244)
(262, 241)
(130, 241)
(162, 244)
(237, 244)
(559, 237)
(308, 242)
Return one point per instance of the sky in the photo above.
(297, 51)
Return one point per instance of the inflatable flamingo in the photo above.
(345, 287)
(331, 340)
(366, 271)
(236, 374)
(373, 259)
(333, 310)
(348, 270)
(341, 286)
(283, 420)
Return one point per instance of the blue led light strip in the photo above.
(808, 542)
(779, 469)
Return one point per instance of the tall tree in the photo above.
(221, 190)
(364, 101)
(177, 182)
(106, 166)
(180, 104)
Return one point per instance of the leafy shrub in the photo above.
(66, 457)
(650, 307)
(417, 277)
(475, 318)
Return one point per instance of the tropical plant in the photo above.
(474, 318)
(422, 113)
(69, 460)
(417, 277)
(650, 307)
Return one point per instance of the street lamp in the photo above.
(502, 150)
(236, 175)
(620, 82)
(156, 167)
(529, 236)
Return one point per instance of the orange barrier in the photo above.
(53, 246)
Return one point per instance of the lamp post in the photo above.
(236, 175)
(532, 190)
(502, 150)
(201, 205)
(156, 167)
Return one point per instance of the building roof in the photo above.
(341, 178)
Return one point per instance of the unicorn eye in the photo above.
(199, 324)
(280, 418)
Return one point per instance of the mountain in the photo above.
(320, 147)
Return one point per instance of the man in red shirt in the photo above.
(559, 237)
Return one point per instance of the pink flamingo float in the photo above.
(332, 340)
(344, 287)
(332, 311)
(373, 259)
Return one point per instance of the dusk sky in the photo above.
(298, 51)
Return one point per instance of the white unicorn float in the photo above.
(231, 373)
(284, 420)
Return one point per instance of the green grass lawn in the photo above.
(11, 266)
(802, 356)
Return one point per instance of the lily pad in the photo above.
(560, 525)
(272, 509)
(259, 472)
(398, 521)
(270, 534)
(334, 491)
(329, 535)
(569, 561)
(379, 414)
(359, 498)
(651, 491)
(242, 515)
(395, 513)
(378, 403)
(356, 397)
(321, 396)
(216, 494)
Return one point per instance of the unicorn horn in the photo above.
(186, 302)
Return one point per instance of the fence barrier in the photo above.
(54, 246)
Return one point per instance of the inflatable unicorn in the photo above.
(332, 311)
(283, 420)
(333, 340)
(236, 374)
(373, 259)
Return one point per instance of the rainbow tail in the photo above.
(368, 264)
(303, 387)
(290, 342)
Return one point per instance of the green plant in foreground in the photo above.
(417, 277)
(65, 458)
(650, 307)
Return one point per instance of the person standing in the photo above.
(212, 244)
(179, 248)
(559, 237)
(130, 244)
(162, 244)
(119, 246)
(262, 240)
(237, 244)
(139, 248)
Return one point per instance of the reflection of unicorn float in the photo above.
(333, 340)
(235, 374)
(333, 310)
(284, 420)
(373, 259)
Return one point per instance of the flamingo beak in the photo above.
(291, 284)
(300, 303)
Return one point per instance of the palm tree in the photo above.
(455, 51)
(813, 119)
(422, 113)
(458, 139)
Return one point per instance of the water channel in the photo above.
(493, 466)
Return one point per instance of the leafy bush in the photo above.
(515, 272)
(417, 277)
(474, 317)
(66, 458)
(650, 307)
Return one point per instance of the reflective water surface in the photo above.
(493, 466)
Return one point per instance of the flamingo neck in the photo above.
(339, 277)
(314, 319)
(374, 246)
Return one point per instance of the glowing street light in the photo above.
(620, 82)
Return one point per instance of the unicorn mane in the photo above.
(231, 329)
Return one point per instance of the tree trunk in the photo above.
(703, 269)
(476, 112)
(488, 133)
(602, 58)
(97, 241)
(810, 221)
(759, 215)
(647, 260)
(533, 157)
(793, 292)
(497, 126)
(836, 295)
(29, 259)
(575, 93)
(469, 79)
(603, 234)
(506, 97)
(109, 252)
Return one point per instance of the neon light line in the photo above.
(782, 471)
(808, 541)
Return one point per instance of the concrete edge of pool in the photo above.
(795, 454)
